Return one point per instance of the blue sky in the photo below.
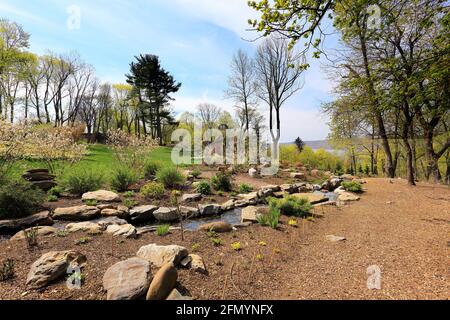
(195, 40)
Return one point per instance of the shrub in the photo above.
(19, 199)
(162, 230)
(52, 198)
(272, 218)
(7, 270)
(292, 206)
(55, 191)
(170, 177)
(196, 173)
(221, 182)
(151, 168)
(245, 188)
(154, 190)
(82, 181)
(123, 178)
(129, 203)
(129, 194)
(352, 186)
(31, 237)
(216, 242)
(61, 234)
(236, 246)
(203, 187)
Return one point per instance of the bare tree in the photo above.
(278, 72)
(209, 113)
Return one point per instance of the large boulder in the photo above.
(143, 213)
(166, 214)
(101, 196)
(313, 198)
(160, 255)
(332, 184)
(89, 227)
(41, 232)
(163, 282)
(191, 197)
(77, 213)
(347, 196)
(218, 226)
(209, 210)
(13, 225)
(124, 230)
(52, 266)
(127, 280)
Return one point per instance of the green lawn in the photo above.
(99, 159)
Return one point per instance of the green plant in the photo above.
(129, 203)
(162, 230)
(31, 237)
(221, 182)
(76, 277)
(216, 242)
(170, 177)
(61, 234)
(91, 202)
(211, 233)
(129, 194)
(83, 240)
(82, 181)
(195, 247)
(236, 246)
(352, 186)
(203, 187)
(259, 257)
(55, 191)
(292, 222)
(292, 206)
(245, 188)
(153, 190)
(19, 199)
(262, 244)
(272, 218)
(123, 178)
(150, 169)
(196, 173)
(52, 198)
(7, 270)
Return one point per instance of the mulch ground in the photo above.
(403, 230)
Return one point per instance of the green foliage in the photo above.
(61, 234)
(55, 191)
(7, 270)
(272, 218)
(196, 173)
(245, 188)
(31, 237)
(151, 168)
(82, 181)
(19, 199)
(217, 242)
(129, 203)
(222, 182)
(162, 230)
(82, 241)
(352, 186)
(292, 206)
(153, 190)
(195, 247)
(236, 246)
(76, 277)
(203, 187)
(320, 159)
(123, 178)
(170, 177)
(129, 194)
(91, 202)
(52, 198)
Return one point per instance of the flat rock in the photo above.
(227, 206)
(44, 184)
(125, 230)
(191, 197)
(347, 196)
(189, 212)
(101, 196)
(127, 280)
(41, 232)
(297, 175)
(163, 282)
(77, 213)
(13, 225)
(143, 213)
(160, 255)
(106, 222)
(120, 212)
(209, 210)
(166, 214)
(289, 188)
(250, 214)
(89, 227)
(176, 295)
(333, 238)
(197, 264)
(52, 266)
(218, 226)
(313, 198)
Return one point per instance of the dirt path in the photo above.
(403, 230)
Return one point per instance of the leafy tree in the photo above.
(299, 144)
